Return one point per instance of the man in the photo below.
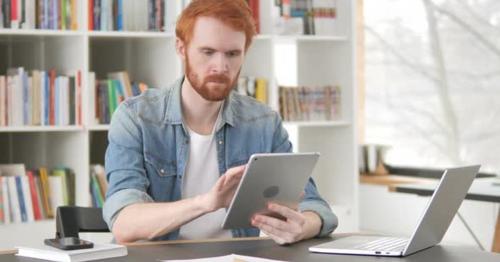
(176, 155)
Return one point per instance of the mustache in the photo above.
(218, 78)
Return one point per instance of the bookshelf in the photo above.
(150, 57)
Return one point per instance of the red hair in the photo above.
(234, 13)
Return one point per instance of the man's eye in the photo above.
(208, 52)
(232, 54)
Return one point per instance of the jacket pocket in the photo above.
(160, 168)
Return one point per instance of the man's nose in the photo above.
(220, 64)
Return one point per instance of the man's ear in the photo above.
(181, 49)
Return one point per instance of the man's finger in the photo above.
(269, 228)
(231, 181)
(277, 239)
(219, 185)
(287, 212)
(275, 223)
(238, 170)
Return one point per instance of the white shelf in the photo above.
(26, 234)
(40, 32)
(312, 38)
(151, 57)
(29, 224)
(316, 123)
(98, 128)
(124, 34)
(24, 129)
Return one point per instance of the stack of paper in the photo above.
(99, 251)
(228, 258)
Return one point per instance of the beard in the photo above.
(221, 85)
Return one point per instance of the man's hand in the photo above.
(296, 226)
(222, 192)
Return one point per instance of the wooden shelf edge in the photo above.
(391, 180)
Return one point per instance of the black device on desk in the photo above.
(70, 220)
(68, 243)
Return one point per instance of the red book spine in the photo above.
(91, 15)
(13, 10)
(2, 213)
(79, 97)
(34, 197)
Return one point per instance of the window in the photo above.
(432, 72)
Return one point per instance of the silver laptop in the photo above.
(431, 228)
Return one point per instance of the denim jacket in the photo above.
(148, 150)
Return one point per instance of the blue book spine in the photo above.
(119, 89)
(45, 10)
(20, 196)
(104, 15)
(119, 16)
(50, 16)
(297, 13)
(97, 14)
(47, 98)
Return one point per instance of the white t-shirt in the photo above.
(202, 172)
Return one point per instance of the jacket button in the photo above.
(220, 142)
(162, 171)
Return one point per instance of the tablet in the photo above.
(279, 178)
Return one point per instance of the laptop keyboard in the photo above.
(384, 244)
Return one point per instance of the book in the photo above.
(57, 192)
(261, 90)
(28, 202)
(5, 200)
(14, 18)
(11, 173)
(304, 103)
(96, 191)
(98, 252)
(98, 185)
(34, 196)
(227, 258)
(109, 93)
(14, 200)
(40, 98)
(46, 192)
(39, 192)
(1, 14)
(3, 97)
(2, 215)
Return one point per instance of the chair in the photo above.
(71, 220)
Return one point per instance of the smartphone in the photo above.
(68, 243)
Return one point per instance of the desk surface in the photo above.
(268, 249)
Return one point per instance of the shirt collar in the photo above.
(174, 109)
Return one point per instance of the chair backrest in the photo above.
(70, 220)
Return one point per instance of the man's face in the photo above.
(214, 58)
